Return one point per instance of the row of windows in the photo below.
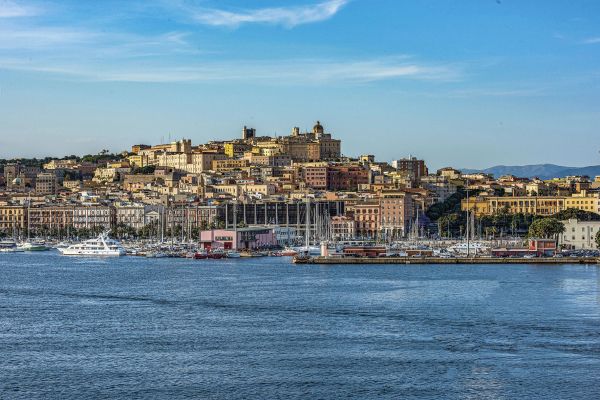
(583, 229)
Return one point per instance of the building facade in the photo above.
(579, 234)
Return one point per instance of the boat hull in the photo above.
(100, 253)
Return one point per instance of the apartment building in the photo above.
(396, 211)
(12, 218)
(579, 234)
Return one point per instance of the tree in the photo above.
(546, 228)
(574, 213)
(449, 206)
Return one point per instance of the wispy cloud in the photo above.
(487, 92)
(11, 9)
(287, 16)
(67, 42)
(36, 38)
(276, 72)
(592, 40)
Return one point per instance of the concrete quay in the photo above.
(440, 260)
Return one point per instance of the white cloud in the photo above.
(276, 72)
(286, 16)
(11, 9)
(592, 40)
(24, 38)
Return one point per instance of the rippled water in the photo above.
(137, 328)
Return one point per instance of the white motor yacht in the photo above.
(101, 246)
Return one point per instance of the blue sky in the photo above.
(467, 83)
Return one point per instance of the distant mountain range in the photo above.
(542, 171)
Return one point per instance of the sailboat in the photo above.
(233, 253)
(30, 245)
(307, 250)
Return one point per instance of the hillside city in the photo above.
(178, 190)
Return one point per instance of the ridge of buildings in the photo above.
(268, 179)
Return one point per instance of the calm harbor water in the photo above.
(136, 328)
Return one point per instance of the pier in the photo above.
(442, 260)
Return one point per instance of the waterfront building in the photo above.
(285, 235)
(53, 219)
(12, 219)
(94, 217)
(366, 215)
(343, 228)
(396, 210)
(131, 214)
(477, 205)
(579, 234)
(284, 213)
(248, 238)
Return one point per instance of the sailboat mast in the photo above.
(235, 238)
(468, 221)
(307, 234)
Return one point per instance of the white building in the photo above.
(579, 234)
(285, 235)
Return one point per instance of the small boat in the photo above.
(216, 254)
(200, 255)
(233, 254)
(288, 252)
(33, 246)
(9, 246)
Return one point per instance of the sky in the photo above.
(463, 83)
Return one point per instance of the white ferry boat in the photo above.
(101, 246)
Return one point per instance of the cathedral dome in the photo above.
(318, 128)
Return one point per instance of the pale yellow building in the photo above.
(229, 164)
(583, 201)
(12, 218)
(536, 205)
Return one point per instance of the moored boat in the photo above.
(9, 246)
(101, 246)
(33, 246)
